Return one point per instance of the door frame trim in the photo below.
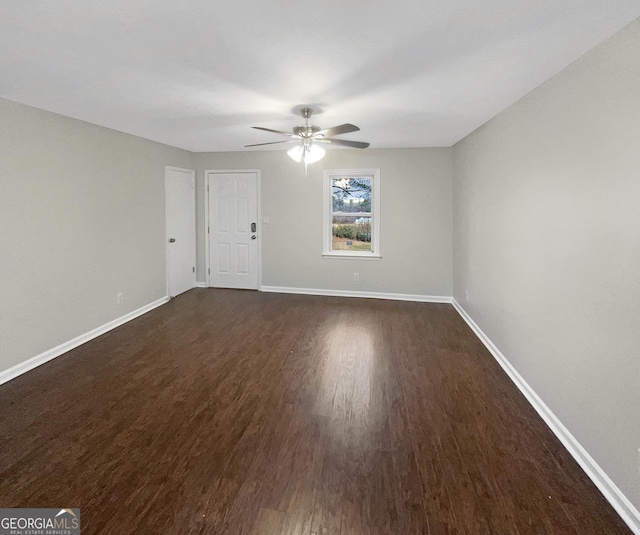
(208, 172)
(166, 234)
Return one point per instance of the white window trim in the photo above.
(375, 214)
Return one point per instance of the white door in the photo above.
(181, 230)
(233, 236)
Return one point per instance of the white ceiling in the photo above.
(198, 74)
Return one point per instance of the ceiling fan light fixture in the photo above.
(313, 154)
(306, 153)
(296, 153)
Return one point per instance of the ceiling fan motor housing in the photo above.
(305, 130)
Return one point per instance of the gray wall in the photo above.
(416, 225)
(81, 218)
(547, 245)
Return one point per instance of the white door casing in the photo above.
(232, 229)
(180, 230)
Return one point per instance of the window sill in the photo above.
(352, 256)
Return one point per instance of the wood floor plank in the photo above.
(269, 522)
(238, 412)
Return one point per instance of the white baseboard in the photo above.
(200, 284)
(36, 361)
(350, 293)
(608, 488)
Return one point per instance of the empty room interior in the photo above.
(321, 268)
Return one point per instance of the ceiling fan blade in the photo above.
(276, 131)
(337, 130)
(346, 143)
(271, 143)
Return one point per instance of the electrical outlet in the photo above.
(356, 277)
(119, 297)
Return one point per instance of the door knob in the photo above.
(171, 240)
(253, 237)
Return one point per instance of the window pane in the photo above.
(351, 232)
(351, 195)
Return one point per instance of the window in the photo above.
(351, 213)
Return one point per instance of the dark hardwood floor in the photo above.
(232, 412)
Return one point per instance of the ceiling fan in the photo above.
(308, 137)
